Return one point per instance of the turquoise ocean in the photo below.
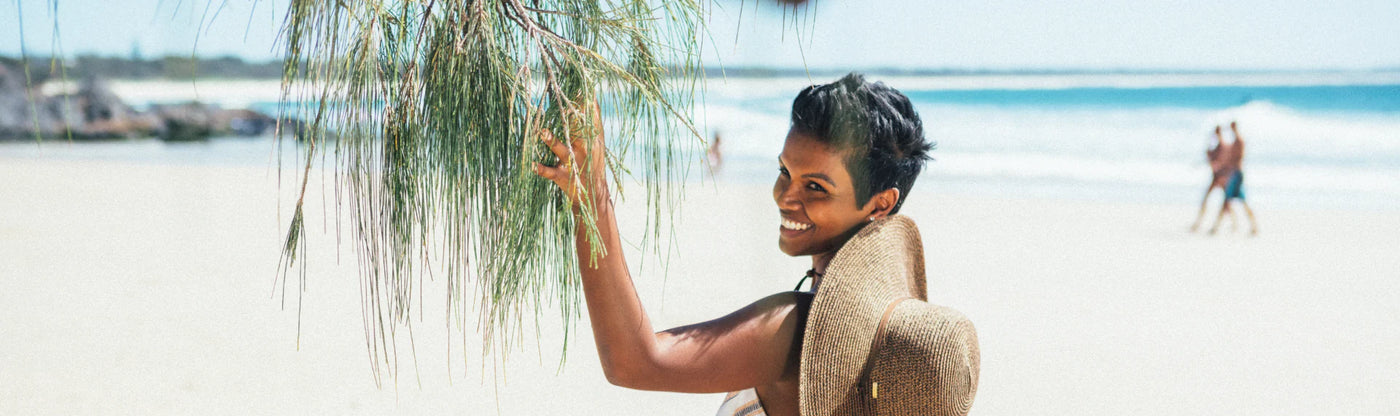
(1315, 140)
(1312, 140)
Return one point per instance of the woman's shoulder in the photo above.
(797, 301)
(795, 304)
(791, 308)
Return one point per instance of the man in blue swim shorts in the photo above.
(1231, 164)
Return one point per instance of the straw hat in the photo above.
(874, 345)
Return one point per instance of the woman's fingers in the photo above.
(585, 126)
(559, 149)
(553, 173)
(559, 174)
(581, 160)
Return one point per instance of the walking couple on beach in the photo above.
(1228, 175)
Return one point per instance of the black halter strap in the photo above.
(811, 273)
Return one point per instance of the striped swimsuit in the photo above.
(741, 403)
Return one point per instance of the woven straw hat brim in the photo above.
(927, 363)
(883, 262)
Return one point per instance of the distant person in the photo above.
(713, 155)
(1218, 175)
(1231, 167)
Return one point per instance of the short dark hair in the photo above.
(876, 127)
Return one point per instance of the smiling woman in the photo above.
(851, 156)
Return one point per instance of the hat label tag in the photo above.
(877, 344)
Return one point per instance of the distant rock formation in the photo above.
(196, 121)
(95, 112)
(17, 113)
(104, 115)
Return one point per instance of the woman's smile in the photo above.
(789, 229)
(794, 226)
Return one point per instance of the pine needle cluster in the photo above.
(429, 110)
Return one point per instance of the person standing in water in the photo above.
(713, 156)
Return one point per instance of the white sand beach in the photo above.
(131, 288)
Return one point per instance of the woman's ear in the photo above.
(882, 203)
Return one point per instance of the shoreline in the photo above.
(153, 282)
(1271, 187)
(238, 93)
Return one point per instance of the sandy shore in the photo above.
(147, 289)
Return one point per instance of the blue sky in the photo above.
(1192, 34)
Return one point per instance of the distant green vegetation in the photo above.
(44, 68)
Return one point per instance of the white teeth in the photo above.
(794, 225)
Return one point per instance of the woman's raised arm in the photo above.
(750, 347)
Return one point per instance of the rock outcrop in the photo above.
(95, 112)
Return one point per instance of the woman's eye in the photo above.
(813, 186)
(782, 171)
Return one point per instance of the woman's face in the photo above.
(816, 198)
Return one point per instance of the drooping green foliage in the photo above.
(429, 110)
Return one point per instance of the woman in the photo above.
(850, 158)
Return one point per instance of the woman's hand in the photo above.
(582, 168)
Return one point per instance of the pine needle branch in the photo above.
(430, 110)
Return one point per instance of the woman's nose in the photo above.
(786, 197)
